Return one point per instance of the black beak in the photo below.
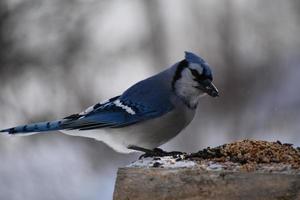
(208, 87)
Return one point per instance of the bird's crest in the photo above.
(193, 58)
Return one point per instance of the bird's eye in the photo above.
(197, 76)
(195, 72)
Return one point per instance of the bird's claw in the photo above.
(157, 152)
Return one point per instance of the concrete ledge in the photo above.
(248, 169)
(198, 184)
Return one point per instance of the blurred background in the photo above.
(58, 57)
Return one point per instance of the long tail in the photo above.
(36, 127)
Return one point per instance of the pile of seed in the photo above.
(247, 152)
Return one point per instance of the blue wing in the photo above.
(117, 112)
(145, 100)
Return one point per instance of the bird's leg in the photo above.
(156, 152)
(136, 148)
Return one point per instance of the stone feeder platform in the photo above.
(245, 170)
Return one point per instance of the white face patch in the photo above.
(187, 78)
(125, 107)
(196, 67)
(185, 88)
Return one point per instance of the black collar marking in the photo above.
(181, 66)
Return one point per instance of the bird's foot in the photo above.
(156, 152)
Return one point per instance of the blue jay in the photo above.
(146, 115)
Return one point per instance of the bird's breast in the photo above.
(155, 132)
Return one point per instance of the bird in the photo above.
(145, 116)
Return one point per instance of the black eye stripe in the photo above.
(199, 77)
(195, 72)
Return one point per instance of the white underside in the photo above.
(148, 134)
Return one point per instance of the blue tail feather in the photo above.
(35, 127)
